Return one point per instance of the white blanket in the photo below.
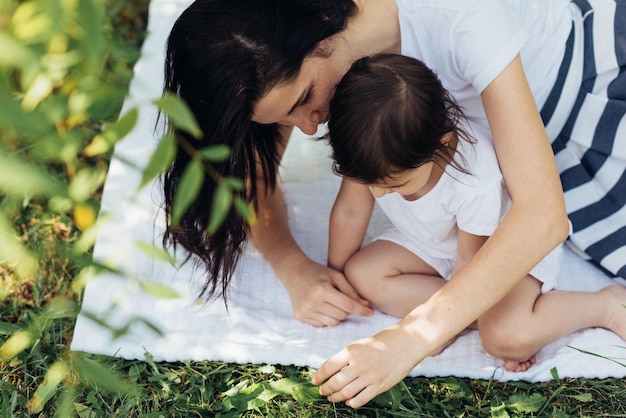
(258, 327)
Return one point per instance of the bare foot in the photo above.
(519, 366)
(616, 297)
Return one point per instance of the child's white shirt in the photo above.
(474, 202)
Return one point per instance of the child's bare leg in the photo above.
(392, 278)
(525, 320)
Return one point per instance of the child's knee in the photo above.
(356, 273)
(507, 341)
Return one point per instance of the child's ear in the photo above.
(446, 138)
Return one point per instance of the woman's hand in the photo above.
(369, 367)
(321, 296)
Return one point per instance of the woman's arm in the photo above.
(535, 224)
(349, 219)
(319, 295)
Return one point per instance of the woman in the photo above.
(252, 69)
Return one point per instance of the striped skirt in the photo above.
(585, 117)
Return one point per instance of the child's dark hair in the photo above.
(389, 114)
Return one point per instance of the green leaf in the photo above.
(243, 209)
(156, 252)
(65, 404)
(12, 251)
(15, 53)
(526, 403)
(53, 378)
(40, 88)
(85, 183)
(104, 141)
(102, 377)
(161, 159)
(234, 182)
(60, 308)
(30, 22)
(300, 390)
(7, 328)
(179, 114)
(215, 153)
(555, 373)
(390, 399)
(19, 178)
(159, 290)
(105, 101)
(16, 343)
(187, 190)
(499, 411)
(287, 385)
(250, 398)
(305, 394)
(91, 18)
(583, 397)
(222, 202)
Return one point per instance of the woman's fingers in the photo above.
(327, 315)
(346, 288)
(319, 297)
(358, 372)
(330, 368)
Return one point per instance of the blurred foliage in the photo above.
(64, 71)
(60, 74)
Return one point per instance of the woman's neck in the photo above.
(374, 29)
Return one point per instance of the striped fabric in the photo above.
(585, 117)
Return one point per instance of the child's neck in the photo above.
(437, 171)
(433, 179)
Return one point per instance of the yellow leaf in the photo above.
(17, 343)
(54, 376)
(84, 216)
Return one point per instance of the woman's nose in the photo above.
(308, 122)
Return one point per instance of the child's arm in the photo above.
(349, 219)
(468, 245)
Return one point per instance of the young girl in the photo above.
(399, 139)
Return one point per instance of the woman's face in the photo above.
(302, 102)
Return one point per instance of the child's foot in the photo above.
(616, 297)
(519, 366)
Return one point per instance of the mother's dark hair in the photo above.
(222, 57)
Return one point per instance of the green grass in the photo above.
(46, 303)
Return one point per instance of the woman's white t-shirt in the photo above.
(469, 42)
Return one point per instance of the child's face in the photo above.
(412, 184)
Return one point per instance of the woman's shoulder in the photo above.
(463, 40)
